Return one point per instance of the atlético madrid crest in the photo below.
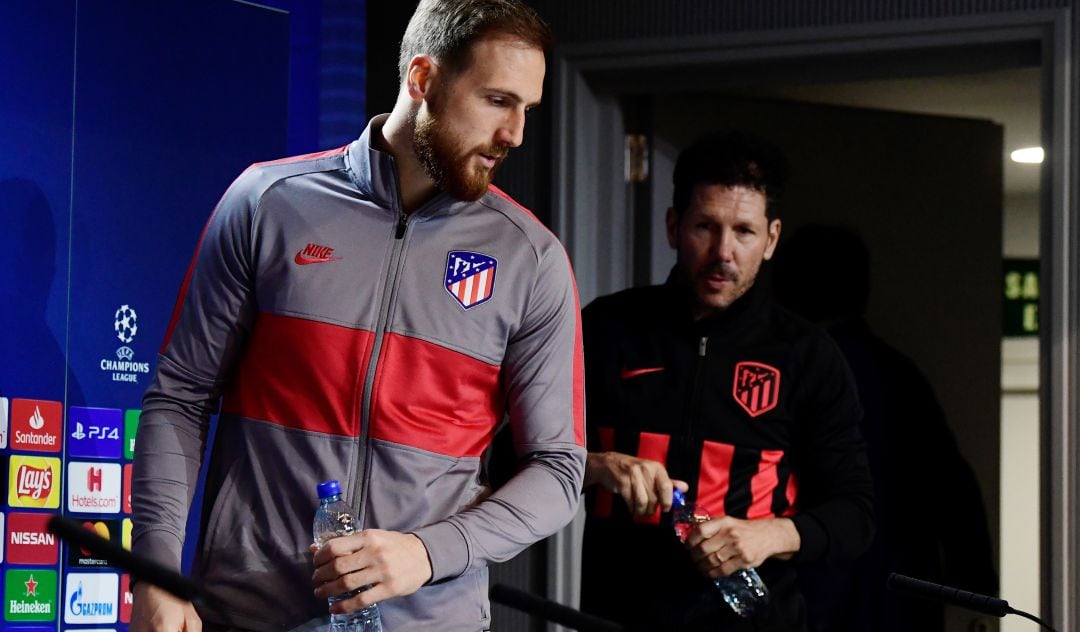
(757, 387)
(470, 277)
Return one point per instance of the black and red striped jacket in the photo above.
(757, 410)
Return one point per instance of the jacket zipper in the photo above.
(387, 299)
(694, 409)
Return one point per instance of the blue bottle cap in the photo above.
(328, 489)
(678, 498)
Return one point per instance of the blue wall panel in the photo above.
(121, 123)
(35, 194)
(156, 144)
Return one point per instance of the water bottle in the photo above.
(335, 518)
(743, 590)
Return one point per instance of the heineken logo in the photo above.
(30, 595)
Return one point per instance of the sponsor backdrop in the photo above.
(121, 123)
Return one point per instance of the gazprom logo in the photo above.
(92, 598)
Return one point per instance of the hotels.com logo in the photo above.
(35, 425)
(33, 482)
(93, 487)
(93, 479)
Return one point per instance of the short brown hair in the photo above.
(447, 29)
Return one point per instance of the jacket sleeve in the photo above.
(213, 314)
(542, 381)
(835, 515)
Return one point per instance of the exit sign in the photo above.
(1021, 297)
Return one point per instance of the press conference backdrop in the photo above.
(121, 123)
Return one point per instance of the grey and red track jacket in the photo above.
(756, 409)
(349, 341)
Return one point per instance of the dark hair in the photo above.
(731, 159)
(447, 29)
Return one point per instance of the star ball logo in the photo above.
(94, 432)
(93, 487)
(34, 481)
(29, 541)
(126, 324)
(35, 425)
(29, 595)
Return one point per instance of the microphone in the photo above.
(962, 598)
(550, 610)
(149, 571)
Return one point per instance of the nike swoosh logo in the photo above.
(626, 374)
(304, 260)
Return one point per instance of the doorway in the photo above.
(1006, 452)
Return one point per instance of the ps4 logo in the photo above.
(95, 432)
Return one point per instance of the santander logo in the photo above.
(37, 422)
(35, 425)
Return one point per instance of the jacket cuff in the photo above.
(159, 546)
(814, 540)
(447, 548)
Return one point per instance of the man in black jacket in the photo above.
(705, 384)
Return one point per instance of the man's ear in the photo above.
(419, 74)
(671, 221)
(773, 239)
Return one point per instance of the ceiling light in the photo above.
(1028, 155)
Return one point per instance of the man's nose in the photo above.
(723, 246)
(512, 132)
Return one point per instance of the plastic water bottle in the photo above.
(335, 518)
(743, 590)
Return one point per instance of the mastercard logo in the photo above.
(99, 528)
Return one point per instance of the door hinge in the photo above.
(636, 158)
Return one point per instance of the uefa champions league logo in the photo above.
(125, 368)
(125, 324)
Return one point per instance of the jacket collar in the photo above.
(732, 320)
(374, 172)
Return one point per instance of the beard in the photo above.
(449, 164)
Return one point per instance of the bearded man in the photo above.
(705, 384)
(370, 314)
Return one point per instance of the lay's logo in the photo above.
(33, 482)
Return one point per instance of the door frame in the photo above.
(593, 216)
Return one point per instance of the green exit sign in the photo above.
(1021, 297)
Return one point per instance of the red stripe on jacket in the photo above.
(311, 156)
(301, 374)
(435, 399)
(791, 492)
(654, 447)
(578, 405)
(714, 479)
(181, 295)
(604, 496)
(763, 484)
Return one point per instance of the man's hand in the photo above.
(392, 563)
(154, 610)
(722, 546)
(642, 483)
